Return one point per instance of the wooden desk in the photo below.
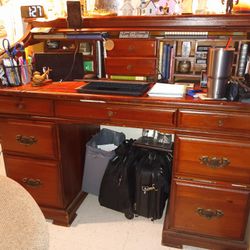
(43, 131)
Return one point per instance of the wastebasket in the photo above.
(96, 158)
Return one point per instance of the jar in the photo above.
(184, 66)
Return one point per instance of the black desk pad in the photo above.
(116, 88)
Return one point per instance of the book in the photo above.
(167, 90)
(160, 60)
(129, 78)
(242, 59)
(164, 61)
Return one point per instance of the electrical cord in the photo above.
(72, 66)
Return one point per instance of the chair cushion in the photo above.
(22, 223)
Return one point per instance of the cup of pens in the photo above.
(15, 66)
(17, 75)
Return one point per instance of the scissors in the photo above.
(12, 53)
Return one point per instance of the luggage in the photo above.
(137, 181)
(153, 176)
(117, 186)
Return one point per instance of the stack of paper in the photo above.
(167, 90)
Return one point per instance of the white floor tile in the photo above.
(100, 228)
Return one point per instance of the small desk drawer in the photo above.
(31, 106)
(82, 110)
(214, 121)
(212, 159)
(133, 48)
(41, 178)
(119, 114)
(29, 138)
(130, 66)
(144, 116)
(207, 210)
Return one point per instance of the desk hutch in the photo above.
(43, 130)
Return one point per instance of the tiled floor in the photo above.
(99, 228)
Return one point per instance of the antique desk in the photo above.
(43, 131)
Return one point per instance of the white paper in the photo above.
(167, 90)
(107, 147)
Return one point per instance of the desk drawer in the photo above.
(41, 178)
(214, 121)
(144, 116)
(213, 159)
(31, 106)
(119, 114)
(82, 110)
(207, 210)
(130, 66)
(29, 138)
(133, 48)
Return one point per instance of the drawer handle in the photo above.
(209, 213)
(26, 140)
(34, 183)
(214, 162)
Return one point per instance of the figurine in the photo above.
(230, 5)
(127, 8)
(38, 79)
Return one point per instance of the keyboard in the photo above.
(117, 88)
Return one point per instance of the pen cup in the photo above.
(13, 75)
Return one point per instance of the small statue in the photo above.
(38, 79)
(230, 5)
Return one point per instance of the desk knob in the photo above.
(129, 67)
(220, 123)
(20, 106)
(110, 113)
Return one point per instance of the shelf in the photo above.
(233, 22)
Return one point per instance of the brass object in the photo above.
(146, 189)
(32, 182)
(220, 123)
(129, 67)
(214, 162)
(26, 140)
(209, 213)
(38, 79)
(184, 66)
(109, 44)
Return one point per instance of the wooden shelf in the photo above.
(232, 22)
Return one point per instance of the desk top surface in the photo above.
(67, 91)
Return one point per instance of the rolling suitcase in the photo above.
(153, 175)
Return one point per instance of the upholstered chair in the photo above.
(22, 224)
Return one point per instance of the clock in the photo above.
(32, 11)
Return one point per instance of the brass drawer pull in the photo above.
(214, 162)
(32, 182)
(209, 213)
(26, 140)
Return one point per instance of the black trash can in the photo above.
(96, 159)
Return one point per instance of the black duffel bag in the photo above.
(117, 189)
